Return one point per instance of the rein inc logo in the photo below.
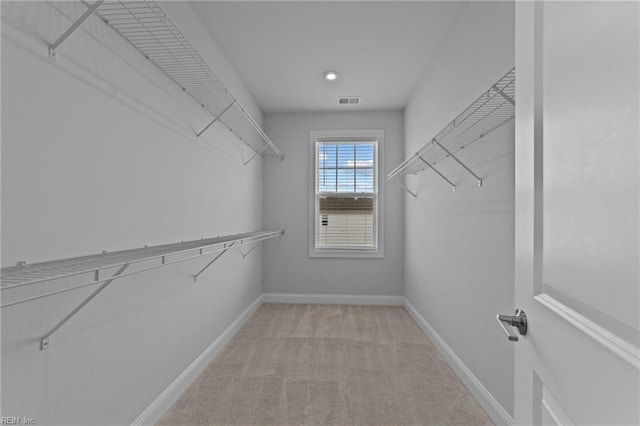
(17, 421)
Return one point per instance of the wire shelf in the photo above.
(493, 109)
(145, 26)
(15, 277)
(37, 281)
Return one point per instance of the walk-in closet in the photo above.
(320, 212)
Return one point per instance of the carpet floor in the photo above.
(299, 364)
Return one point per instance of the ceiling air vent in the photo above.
(349, 100)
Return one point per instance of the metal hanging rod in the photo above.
(147, 28)
(492, 110)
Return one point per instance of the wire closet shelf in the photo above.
(92, 269)
(492, 110)
(147, 27)
(31, 282)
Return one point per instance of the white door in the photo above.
(577, 212)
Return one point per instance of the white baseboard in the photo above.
(334, 299)
(154, 412)
(493, 408)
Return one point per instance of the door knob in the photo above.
(519, 321)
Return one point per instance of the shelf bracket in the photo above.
(44, 341)
(459, 162)
(414, 195)
(217, 117)
(453, 186)
(72, 28)
(255, 155)
(195, 277)
(244, 255)
(507, 97)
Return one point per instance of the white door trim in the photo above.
(615, 344)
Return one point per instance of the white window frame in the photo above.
(351, 252)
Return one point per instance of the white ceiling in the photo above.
(280, 49)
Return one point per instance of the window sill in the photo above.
(346, 253)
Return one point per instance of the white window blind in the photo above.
(346, 194)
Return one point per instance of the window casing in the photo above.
(345, 208)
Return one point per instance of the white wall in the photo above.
(459, 259)
(98, 153)
(288, 267)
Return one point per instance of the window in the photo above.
(345, 194)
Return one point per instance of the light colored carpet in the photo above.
(327, 364)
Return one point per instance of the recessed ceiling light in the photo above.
(330, 75)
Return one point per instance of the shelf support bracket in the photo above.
(453, 186)
(255, 155)
(413, 194)
(217, 117)
(72, 28)
(44, 341)
(460, 162)
(244, 255)
(195, 277)
(507, 97)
